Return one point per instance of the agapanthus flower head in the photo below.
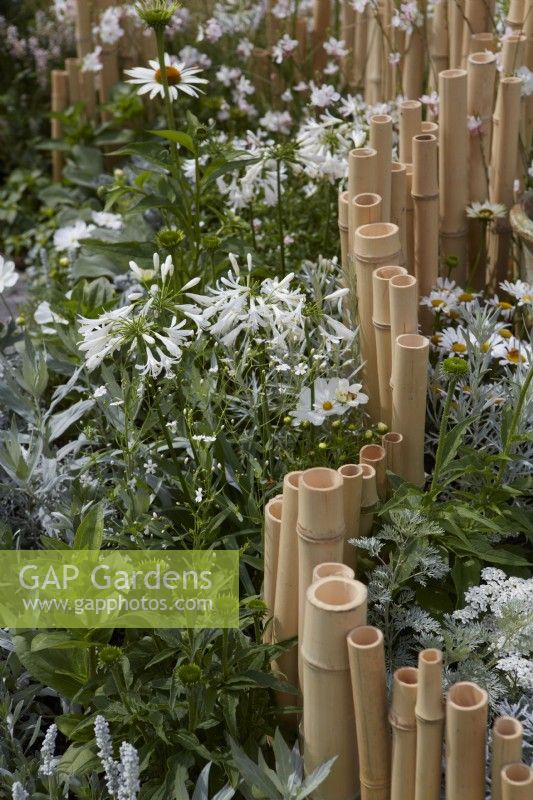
(180, 78)
(157, 14)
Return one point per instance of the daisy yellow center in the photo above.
(454, 314)
(457, 347)
(504, 306)
(327, 405)
(437, 302)
(436, 339)
(485, 347)
(173, 76)
(515, 357)
(465, 297)
(527, 298)
(505, 334)
(486, 213)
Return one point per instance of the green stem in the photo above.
(166, 434)
(442, 434)
(169, 111)
(281, 233)
(514, 423)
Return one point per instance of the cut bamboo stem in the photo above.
(362, 165)
(410, 125)
(343, 231)
(72, 65)
(477, 20)
(375, 245)
(409, 393)
(364, 208)
(438, 43)
(367, 667)
(517, 782)
(82, 20)
(321, 18)
(392, 442)
(272, 528)
(332, 569)
(374, 63)
(369, 500)
(513, 52)
(361, 44)
(409, 221)
(429, 712)
(352, 488)
(466, 723)
(456, 16)
(375, 456)
(381, 142)
(334, 606)
(348, 37)
(398, 200)
(403, 301)
(382, 332)
(425, 194)
(479, 42)
(320, 529)
(403, 724)
(413, 66)
(516, 15)
(430, 127)
(59, 104)
(453, 168)
(507, 735)
(285, 623)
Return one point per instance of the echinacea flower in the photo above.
(486, 211)
(180, 78)
(8, 276)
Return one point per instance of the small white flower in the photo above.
(8, 276)
(394, 58)
(324, 95)
(332, 397)
(336, 48)
(199, 495)
(92, 62)
(180, 79)
(106, 220)
(68, 238)
(522, 291)
(100, 391)
(486, 211)
(150, 467)
(453, 341)
(49, 761)
(18, 792)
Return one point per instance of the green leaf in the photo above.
(178, 137)
(453, 440)
(90, 533)
(61, 421)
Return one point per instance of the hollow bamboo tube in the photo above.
(361, 45)
(409, 220)
(430, 127)
(429, 711)
(479, 42)
(375, 456)
(369, 500)
(513, 52)
(481, 77)
(403, 724)
(381, 142)
(321, 17)
(398, 199)
(320, 530)
(272, 528)
(477, 20)
(516, 15)
(374, 63)
(366, 654)
(382, 328)
(453, 168)
(466, 722)
(285, 622)
(348, 21)
(438, 43)
(413, 65)
(343, 229)
(59, 104)
(425, 194)
(517, 782)
(88, 93)
(362, 165)
(502, 172)
(72, 65)
(363, 209)
(334, 606)
(375, 245)
(403, 300)
(410, 124)
(392, 442)
(456, 15)
(82, 20)
(332, 569)
(352, 487)
(507, 735)
(409, 391)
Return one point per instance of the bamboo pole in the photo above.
(413, 65)
(403, 300)
(272, 528)
(453, 168)
(331, 569)
(466, 722)
(409, 220)
(392, 442)
(321, 18)
(375, 456)
(430, 127)
(82, 21)
(403, 724)
(527, 132)
(381, 142)
(502, 172)
(382, 332)
(429, 711)
(352, 487)
(479, 42)
(59, 104)
(369, 500)
(343, 231)
(366, 654)
(507, 735)
(285, 622)
(362, 166)
(513, 52)
(456, 14)
(439, 46)
(348, 37)
(425, 194)
(410, 124)
(374, 63)
(516, 15)
(398, 201)
(477, 20)
(334, 606)
(361, 45)
(375, 245)
(320, 530)
(364, 208)
(72, 66)
(409, 392)
(517, 782)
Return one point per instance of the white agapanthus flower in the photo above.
(69, 237)
(324, 95)
(8, 276)
(180, 78)
(283, 48)
(336, 48)
(333, 397)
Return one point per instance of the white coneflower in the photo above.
(506, 309)
(332, 397)
(180, 78)
(49, 761)
(486, 211)
(8, 276)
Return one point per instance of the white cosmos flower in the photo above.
(180, 78)
(332, 397)
(68, 238)
(106, 220)
(8, 276)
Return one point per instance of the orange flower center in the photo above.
(515, 356)
(457, 347)
(437, 302)
(527, 298)
(173, 75)
(505, 334)
(327, 406)
(465, 297)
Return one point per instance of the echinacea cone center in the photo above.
(173, 75)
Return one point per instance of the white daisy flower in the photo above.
(453, 341)
(487, 211)
(522, 291)
(332, 397)
(180, 78)
(68, 238)
(8, 276)
(506, 309)
(512, 351)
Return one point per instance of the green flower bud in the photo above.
(21, 320)
(257, 606)
(382, 428)
(63, 261)
(452, 262)
(352, 426)
(211, 241)
(189, 674)
(336, 424)
(156, 13)
(287, 420)
(368, 434)
(168, 238)
(322, 446)
(454, 368)
(109, 655)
